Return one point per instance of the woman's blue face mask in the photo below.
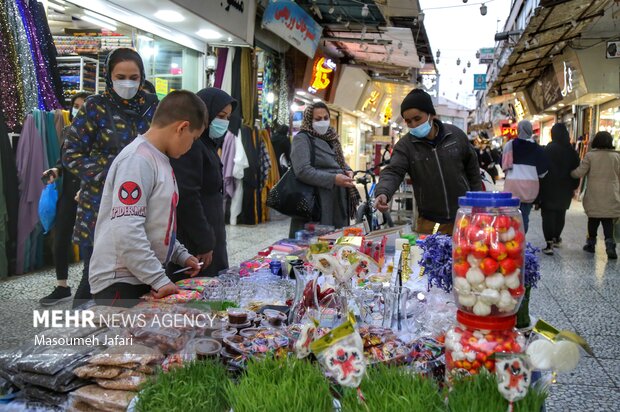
(218, 128)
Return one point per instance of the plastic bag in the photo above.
(123, 355)
(64, 381)
(104, 399)
(341, 354)
(47, 206)
(97, 371)
(51, 398)
(50, 360)
(127, 381)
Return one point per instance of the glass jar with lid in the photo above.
(471, 343)
(488, 246)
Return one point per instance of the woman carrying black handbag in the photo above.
(328, 172)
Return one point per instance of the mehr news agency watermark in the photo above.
(64, 319)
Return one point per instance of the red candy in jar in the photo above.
(488, 246)
(471, 343)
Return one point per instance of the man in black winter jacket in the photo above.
(438, 157)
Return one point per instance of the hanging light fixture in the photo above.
(400, 45)
(438, 53)
(363, 33)
(483, 9)
(478, 54)
(464, 70)
(347, 24)
(458, 61)
(339, 18)
(365, 10)
(406, 53)
(460, 81)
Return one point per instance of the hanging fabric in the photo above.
(248, 86)
(222, 56)
(283, 116)
(273, 173)
(30, 167)
(25, 64)
(228, 162)
(228, 83)
(249, 214)
(47, 96)
(268, 87)
(11, 87)
(11, 195)
(240, 164)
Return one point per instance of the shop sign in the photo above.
(236, 17)
(161, 86)
(487, 55)
(612, 51)
(508, 131)
(372, 101)
(519, 110)
(480, 81)
(568, 80)
(546, 91)
(289, 21)
(322, 75)
(386, 114)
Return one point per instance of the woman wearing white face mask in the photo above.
(330, 174)
(106, 124)
(200, 212)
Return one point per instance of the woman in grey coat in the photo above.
(331, 176)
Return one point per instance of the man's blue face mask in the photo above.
(422, 130)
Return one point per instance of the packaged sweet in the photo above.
(127, 381)
(47, 397)
(97, 371)
(104, 399)
(79, 406)
(49, 360)
(197, 284)
(183, 296)
(341, 354)
(63, 381)
(123, 355)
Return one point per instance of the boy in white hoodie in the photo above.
(135, 236)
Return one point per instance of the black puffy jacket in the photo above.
(440, 172)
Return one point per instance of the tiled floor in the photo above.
(578, 292)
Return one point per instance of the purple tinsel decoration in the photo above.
(437, 262)
(532, 267)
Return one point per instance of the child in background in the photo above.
(135, 236)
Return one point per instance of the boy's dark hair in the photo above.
(79, 95)
(180, 105)
(603, 140)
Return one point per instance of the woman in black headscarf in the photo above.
(557, 187)
(200, 212)
(330, 174)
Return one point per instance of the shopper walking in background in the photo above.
(105, 124)
(330, 174)
(440, 160)
(200, 178)
(524, 162)
(65, 215)
(557, 187)
(601, 167)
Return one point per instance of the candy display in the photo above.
(183, 296)
(488, 254)
(471, 344)
(197, 284)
